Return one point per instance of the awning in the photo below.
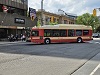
(20, 27)
(11, 27)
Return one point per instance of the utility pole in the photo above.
(41, 12)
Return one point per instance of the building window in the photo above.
(57, 20)
(47, 20)
(65, 21)
(54, 19)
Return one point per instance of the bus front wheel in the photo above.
(47, 41)
(79, 40)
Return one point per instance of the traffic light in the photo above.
(94, 12)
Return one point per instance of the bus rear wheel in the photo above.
(47, 41)
(79, 40)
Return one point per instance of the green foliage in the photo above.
(53, 23)
(38, 23)
(89, 20)
(98, 29)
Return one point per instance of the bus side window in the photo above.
(71, 32)
(78, 32)
(35, 33)
(55, 33)
(63, 33)
(47, 32)
(85, 32)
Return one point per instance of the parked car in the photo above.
(96, 35)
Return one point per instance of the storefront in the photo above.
(6, 31)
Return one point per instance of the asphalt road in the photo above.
(25, 58)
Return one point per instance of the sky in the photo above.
(77, 7)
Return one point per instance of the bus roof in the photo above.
(64, 26)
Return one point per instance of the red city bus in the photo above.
(61, 33)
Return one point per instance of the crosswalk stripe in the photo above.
(92, 73)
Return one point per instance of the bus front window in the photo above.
(35, 33)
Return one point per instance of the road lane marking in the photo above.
(95, 70)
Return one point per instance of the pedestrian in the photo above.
(23, 38)
(12, 38)
(16, 37)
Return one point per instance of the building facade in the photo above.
(49, 17)
(13, 17)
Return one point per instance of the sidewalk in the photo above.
(90, 68)
(7, 42)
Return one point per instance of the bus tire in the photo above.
(47, 41)
(79, 40)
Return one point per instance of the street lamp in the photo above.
(41, 12)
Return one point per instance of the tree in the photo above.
(89, 20)
(38, 23)
(98, 29)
